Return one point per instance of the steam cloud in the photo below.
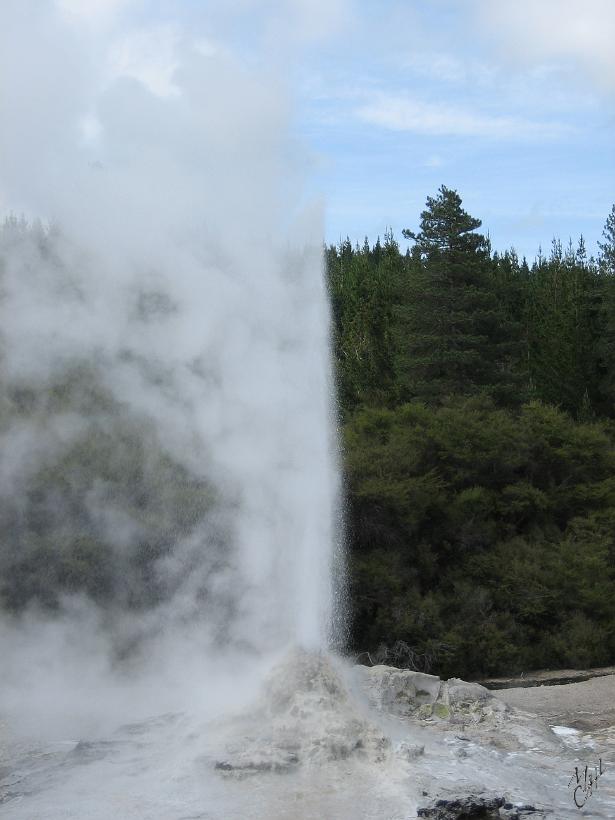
(168, 479)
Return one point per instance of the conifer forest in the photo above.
(477, 405)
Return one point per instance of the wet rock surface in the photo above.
(468, 709)
(406, 693)
(309, 719)
(475, 807)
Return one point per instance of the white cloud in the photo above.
(400, 113)
(150, 56)
(94, 13)
(579, 30)
(317, 19)
(433, 161)
(90, 128)
(283, 25)
(449, 68)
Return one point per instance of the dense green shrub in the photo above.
(481, 477)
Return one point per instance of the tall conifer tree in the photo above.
(454, 337)
(607, 248)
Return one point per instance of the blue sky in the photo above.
(512, 108)
(511, 103)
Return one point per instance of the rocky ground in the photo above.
(587, 705)
(489, 749)
(560, 721)
(325, 739)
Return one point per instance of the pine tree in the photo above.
(607, 248)
(606, 343)
(510, 280)
(454, 337)
(362, 284)
(563, 320)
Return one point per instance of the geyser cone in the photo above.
(305, 717)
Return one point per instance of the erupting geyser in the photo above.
(169, 563)
(168, 475)
(164, 355)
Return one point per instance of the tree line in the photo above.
(477, 406)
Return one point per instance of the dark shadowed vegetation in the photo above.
(477, 402)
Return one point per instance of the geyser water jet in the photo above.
(169, 474)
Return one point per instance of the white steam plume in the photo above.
(182, 276)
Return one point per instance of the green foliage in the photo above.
(607, 248)
(362, 284)
(482, 511)
(564, 320)
(454, 338)
(491, 518)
